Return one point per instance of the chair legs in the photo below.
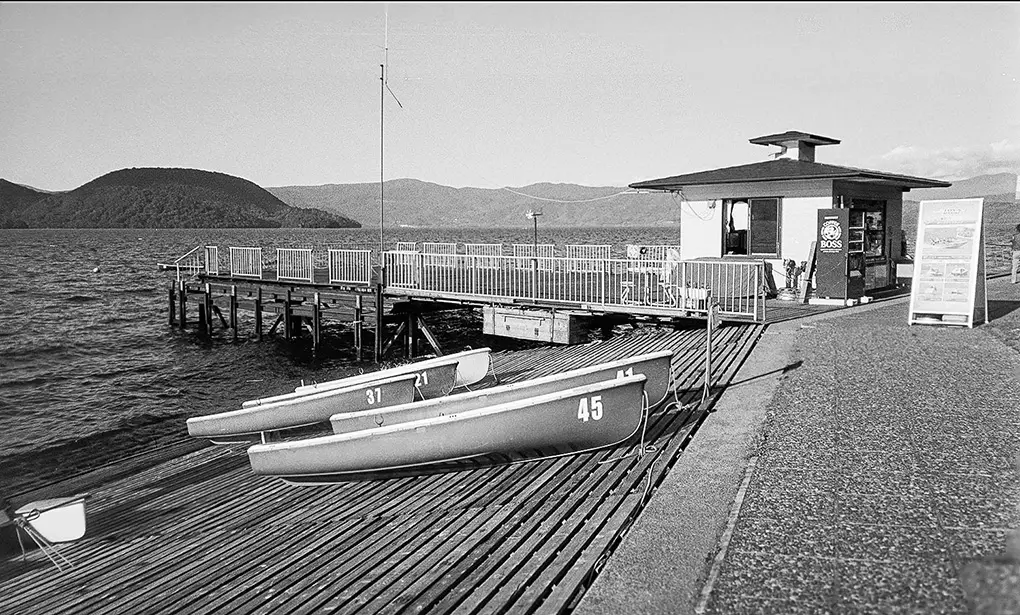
(44, 545)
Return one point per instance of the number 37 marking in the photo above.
(589, 408)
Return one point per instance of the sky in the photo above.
(502, 94)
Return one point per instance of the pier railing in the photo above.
(246, 262)
(654, 252)
(586, 256)
(200, 259)
(212, 260)
(438, 254)
(350, 266)
(639, 285)
(295, 264)
(543, 252)
(485, 250)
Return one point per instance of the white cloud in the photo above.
(954, 163)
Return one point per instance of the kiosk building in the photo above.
(774, 210)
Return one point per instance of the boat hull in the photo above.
(574, 420)
(654, 366)
(309, 409)
(471, 367)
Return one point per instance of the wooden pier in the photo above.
(199, 533)
(538, 298)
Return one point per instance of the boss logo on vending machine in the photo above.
(831, 234)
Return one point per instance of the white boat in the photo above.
(655, 366)
(472, 366)
(238, 426)
(569, 421)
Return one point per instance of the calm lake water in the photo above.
(91, 370)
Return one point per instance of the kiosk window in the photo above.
(874, 226)
(752, 226)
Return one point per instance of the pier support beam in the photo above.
(258, 314)
(359, 315)
(207, 299)
(430, 337)
(203, 322)
(182, 302)
(173, 316)
(219, 314)
(379, 326)
(286, 317)
(316, 323)
(233, 311)
(412, 335)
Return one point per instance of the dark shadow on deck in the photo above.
(997, 308)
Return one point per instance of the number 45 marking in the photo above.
(589, 409)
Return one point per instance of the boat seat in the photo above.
(47, 522)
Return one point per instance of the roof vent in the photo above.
(794, 145)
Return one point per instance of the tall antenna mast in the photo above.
(382, 200)
(383, 87)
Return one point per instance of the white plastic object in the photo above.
(56, 520)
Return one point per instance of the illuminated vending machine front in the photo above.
(839, 264)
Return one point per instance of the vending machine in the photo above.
(839, 256)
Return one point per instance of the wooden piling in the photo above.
(173, 316)
(379, 327)
(412, 335)
(258, 314)
(358, 317)
(207, 300)
(286, 317)
(316, 323)
(203, 322)
(233, 311)
(182, 303)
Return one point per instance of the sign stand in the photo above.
(805, 284)
(949, 285)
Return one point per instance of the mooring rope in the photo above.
(642, 449)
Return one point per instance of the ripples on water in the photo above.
(88, 361)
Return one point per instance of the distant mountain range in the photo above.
(189, 198)
(414, 203)
(158, 198)
(411, 202)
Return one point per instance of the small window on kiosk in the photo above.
(752, 226)
(874, 227)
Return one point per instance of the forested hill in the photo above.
(159, 198)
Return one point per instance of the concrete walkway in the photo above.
(856, 465)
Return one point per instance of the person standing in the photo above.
(1015, 245)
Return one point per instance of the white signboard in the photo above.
(948, 287)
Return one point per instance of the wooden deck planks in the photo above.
(201, 534)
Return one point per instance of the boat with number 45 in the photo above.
(569, 421)
(654, 365)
